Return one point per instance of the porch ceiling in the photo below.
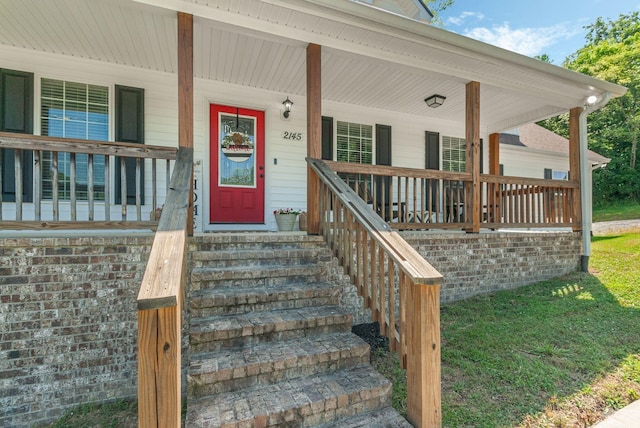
(370, 57)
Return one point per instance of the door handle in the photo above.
(261, 168)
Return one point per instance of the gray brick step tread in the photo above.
(237, 296)
(252, 272)
(306, 401)
(387, 417)
(226, 370)
(261, 253)
(256, 323)
(247, 241)
(258, 238)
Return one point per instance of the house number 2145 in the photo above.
(295, 136)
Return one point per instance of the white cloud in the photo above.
(459, 20)
(527, 41)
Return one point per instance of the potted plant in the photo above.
(286, 218)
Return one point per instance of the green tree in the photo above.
(543, 57)
(436, 7)
(612, 53)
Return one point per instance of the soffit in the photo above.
(243, 42)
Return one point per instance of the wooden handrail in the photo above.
(396, 283)
(503, 179)
(160, 301)
(358, 168)
(10, 140)
(40, 213)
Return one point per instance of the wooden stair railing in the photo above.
(397, 284)
(160, 302)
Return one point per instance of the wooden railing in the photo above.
(527, 202)
(160, 302)
(409, 198)
(78, 208)
(397, 284)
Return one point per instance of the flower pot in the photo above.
(286, 221)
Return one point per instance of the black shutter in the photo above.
(501, 169)
(432, 161)
(432, 150)
(16, 115)
(129, 121)
(383, 157)
(548, 174)
(327, 138)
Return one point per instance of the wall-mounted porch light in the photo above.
(591, 100)
(435, 100)
(287, 107)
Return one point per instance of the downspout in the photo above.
(585, 179)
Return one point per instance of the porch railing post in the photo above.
(185, 94)
(423, 356)
(494, 205)
(472, 135)
(314, 133)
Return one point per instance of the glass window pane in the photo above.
(74, 110)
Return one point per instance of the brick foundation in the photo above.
(68, 323)
(475, 264)
(68, 313)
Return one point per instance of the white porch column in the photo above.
(585, 179)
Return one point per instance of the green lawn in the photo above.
(618, 211)
(555, 354)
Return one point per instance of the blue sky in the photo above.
(554, 27)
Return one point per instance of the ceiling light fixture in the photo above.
(435, 100)
(591, 99)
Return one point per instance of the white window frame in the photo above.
(40, 118)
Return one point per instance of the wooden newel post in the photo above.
(424, 408)
(159, 363)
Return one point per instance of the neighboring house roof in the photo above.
(414, 9)
(535, 137)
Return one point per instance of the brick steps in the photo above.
(230, 370)
(386, 417)
(244, 330)
(305, 401)
(287, 255)
(252, 276)
(224, 301)
(269, 345)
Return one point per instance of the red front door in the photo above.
(237, 165)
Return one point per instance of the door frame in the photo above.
(205, 204)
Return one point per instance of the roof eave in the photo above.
(453, 42)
